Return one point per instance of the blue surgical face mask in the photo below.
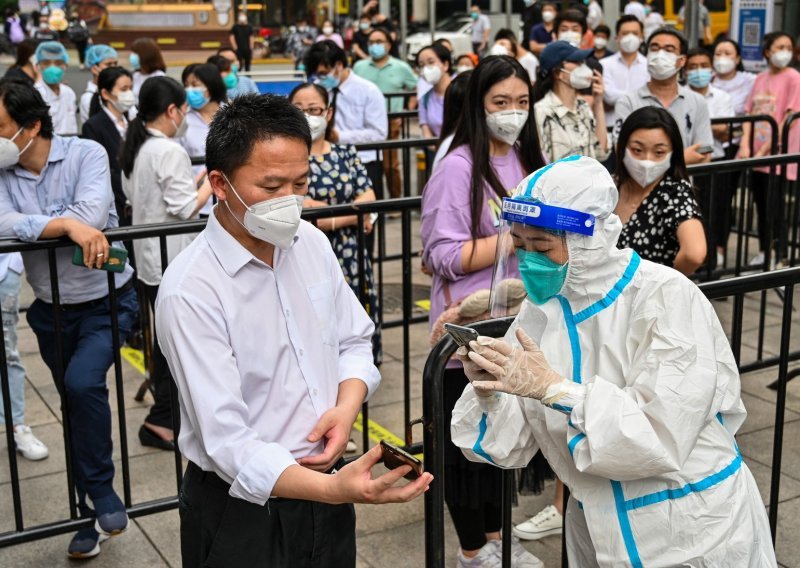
(699, 78)
(52, 75)
(328, 82)
(377, 50)
(231, 80)
(542, 277)
(196, 97)
(135, 63)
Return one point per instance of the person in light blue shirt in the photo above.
(228, 66)
(53, 187)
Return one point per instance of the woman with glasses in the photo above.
(337, 177)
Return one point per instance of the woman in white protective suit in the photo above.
(634, 397)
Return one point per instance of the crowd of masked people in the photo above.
(498, 113)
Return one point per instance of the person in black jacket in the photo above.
(107, 124)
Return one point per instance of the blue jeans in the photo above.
(9, 302)
(88, 354)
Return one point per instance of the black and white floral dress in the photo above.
(339, 177)
(652, 230)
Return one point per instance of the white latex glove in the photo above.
(522, 371)
(474, 372)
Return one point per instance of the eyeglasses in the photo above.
(313, 111)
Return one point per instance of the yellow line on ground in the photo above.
(376, 432)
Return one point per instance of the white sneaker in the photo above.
(757, 260)
(520, 558)
(546, 522)
(29, 445)
(487, 557)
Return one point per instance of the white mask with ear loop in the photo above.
(274, 221)
(9, 153)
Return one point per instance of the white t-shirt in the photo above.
(530, 63)
(139, 78)
(63, 107)
(86, 100)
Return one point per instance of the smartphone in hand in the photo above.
(115, 263)
(394, 457)
(461, 335)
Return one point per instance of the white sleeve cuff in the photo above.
(256, 479)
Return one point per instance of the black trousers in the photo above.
(219, 530)
(245, 58)
(164, 389)
(375, 174)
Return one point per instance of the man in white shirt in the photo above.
(52, 60)
(98, 57)
(626, 70)
(359, 106)
(272, 356)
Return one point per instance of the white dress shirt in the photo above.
(160, 190)
(139, 78)
(361, 115)
(258, 353)
(619, 79)
(720, 105)
(63, 107)
(122, 127)
(194, 142)
(86, 100)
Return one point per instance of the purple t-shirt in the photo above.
(447, 223)
(431, 112)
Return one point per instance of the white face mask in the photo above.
(505, 125)
(180, 129)
(9, 153)
(274, 221)
(645, 172)
(573, 38)
(431, 74)
(724, 65)
(463, 69)
(125, 101)
(327, 30)
(630, 43)
(781, 59)
(318, 125)
(661, 64)
(498, 49)
(548, 16)
(580, 77)
(600, 42)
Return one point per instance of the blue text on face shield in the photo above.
(537, 214)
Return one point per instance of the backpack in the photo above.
(15, 32)
(77, 33)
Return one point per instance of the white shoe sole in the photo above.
(32, 457)
(92, 553)
(524, 535)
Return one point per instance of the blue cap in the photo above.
(96, 54)
(557, 52)
(51, 50)
(538, 214)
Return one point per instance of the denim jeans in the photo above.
(88, 354)
(9, 302)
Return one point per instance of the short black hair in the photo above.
(684, 45)
(325, 53)
(602, 29)
(222, 50)
(25, 106)
(249, 119)
(628, 18)
(695, 51)
(221, 62)
(385, 33)
(209, 75)
(572, 15)
(442, 53)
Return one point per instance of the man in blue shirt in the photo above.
(53, 187)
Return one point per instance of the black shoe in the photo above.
(149, 438)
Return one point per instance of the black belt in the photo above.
(98, 302)
(214, 480)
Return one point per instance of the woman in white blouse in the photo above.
(158, 182)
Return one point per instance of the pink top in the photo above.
(334, 37)
(776, 94)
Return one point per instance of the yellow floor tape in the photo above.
(376, 432)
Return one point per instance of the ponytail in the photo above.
(95, 106)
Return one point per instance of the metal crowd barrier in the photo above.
(433, 403)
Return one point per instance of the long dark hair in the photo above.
(648, 118)
(325, 99)
(25, 49)
(473, 132)
(735, 44)
(454, 104)
(107, 79)
(155, 97)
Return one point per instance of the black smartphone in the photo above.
(460, 334)
(705, 149)
(394, 457)
(114, 263)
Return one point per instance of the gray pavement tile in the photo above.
(51, 436)
(789, 489)
(44, 500)
(786, 545)
(755, 384)
(761, 414)
(758, 446)
(163, 531)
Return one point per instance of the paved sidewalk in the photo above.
(386, 533)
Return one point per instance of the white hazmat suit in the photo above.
(646, 441)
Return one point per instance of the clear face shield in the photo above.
(532, 258)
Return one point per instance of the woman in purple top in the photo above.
(495, 146)
(435, 68)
